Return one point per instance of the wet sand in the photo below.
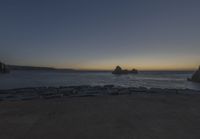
(102, 117)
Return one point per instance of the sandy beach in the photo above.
(153, 116)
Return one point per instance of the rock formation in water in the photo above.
(3, 68)
(134, 71)
(119, 70)
(196, 76)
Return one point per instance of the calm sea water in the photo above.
(21, 79)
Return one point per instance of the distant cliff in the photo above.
(15, 67)
(119, 70)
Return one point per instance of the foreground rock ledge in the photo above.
(196, 76)
(83, 91)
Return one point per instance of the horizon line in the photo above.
(101, 69)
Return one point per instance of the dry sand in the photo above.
(103, 117)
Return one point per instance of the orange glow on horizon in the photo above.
(139, 67)
(140, 64)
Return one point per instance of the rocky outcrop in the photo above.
(3, 68)
(196, 76)
(84, 91)
(134, 71)
(119, 70)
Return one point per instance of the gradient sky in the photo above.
(100, 34)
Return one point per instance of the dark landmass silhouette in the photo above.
(119, 70)
(6, 68)
(196, 76)
(3, 68)
(35, 68)
(15, 67)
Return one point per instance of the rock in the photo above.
(156, 90)
(25, 91)
(111, 91)
(170, 91)
(108, 86)
(50, 92)
(4, 96)
(125, 91)
(29, 97)
(188, 91)
(134, 71)
(119, 70)
(138, 89)
(196, 76)
(3, 68)
(50, 96)
(66, 91)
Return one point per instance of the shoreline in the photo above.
(33, 93)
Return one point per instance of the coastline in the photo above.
(85, 91)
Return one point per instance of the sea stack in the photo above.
(3, 68)
(119, 70)
(196, 76)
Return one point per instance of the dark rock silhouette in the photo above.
(134, 71)
(196, 76)
(3, 68)
(119, 70)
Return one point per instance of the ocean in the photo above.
(148, 79)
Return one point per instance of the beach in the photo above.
(127, 116)
(99, 69)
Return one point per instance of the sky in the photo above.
(100, 34)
